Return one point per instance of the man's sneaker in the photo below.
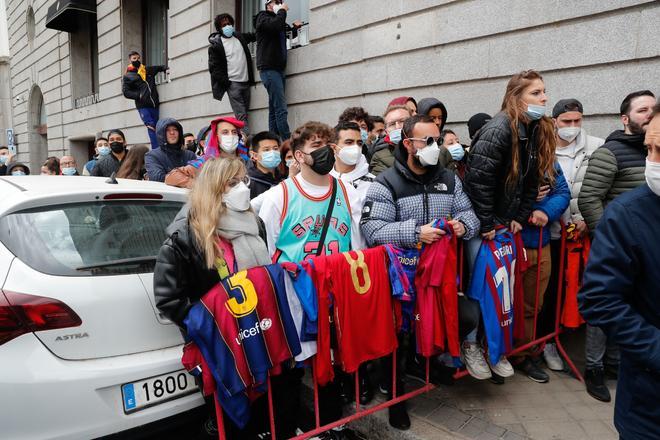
(399, 416)
(503, 368)
(497, 379)
(473, 357)
(552, 358)
(594, 379)
(533, 371)
(439, 374)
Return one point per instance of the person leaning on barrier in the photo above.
(508, 158)
(171, 153)
(620, 294)
(393, 214)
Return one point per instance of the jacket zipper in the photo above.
(150, 97)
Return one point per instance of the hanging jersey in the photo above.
(302, 222)
(301, 295)
(492, 285)
(357, 282)
(243, 327)
(436, 305)
(577, 254)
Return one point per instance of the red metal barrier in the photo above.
(360, 412)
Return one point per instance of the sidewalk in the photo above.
(521, 408)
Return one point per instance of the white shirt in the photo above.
(237, 69)
(360, 179)
(272, 204)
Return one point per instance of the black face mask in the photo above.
(192, 146)
(116, 147)
(136, 64)
(324, 160)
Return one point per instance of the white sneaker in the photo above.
(552, 358)
(503, 368)
(472, 356)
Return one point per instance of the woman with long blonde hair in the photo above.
(215, 235)
(510, 158)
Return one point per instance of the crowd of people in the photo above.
(532, 170)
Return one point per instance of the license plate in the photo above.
(157, 389)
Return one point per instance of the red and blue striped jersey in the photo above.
(493, 281)
(243, 327)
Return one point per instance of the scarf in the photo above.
(142, 71)
(242, 230)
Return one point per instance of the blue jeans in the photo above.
(274, 82)
(150, 117)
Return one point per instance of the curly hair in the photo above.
(311, 128)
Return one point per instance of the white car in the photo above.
(84, 352)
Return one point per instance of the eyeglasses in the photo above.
(430, 140)
(235, 181)
(398, 122)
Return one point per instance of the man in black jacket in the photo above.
(139, 84)
(106, 165)
(263, 169)
(230, 66)
(171, 153)
(271, 61)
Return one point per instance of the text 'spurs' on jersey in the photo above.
(243, 327)
(493, 285)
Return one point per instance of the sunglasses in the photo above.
(429, 140)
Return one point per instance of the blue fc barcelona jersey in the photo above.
(243, 327)
(492, 285)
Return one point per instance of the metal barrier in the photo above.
(428, 386)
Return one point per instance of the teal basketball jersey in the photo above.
(302, 221)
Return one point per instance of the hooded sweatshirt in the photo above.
(360, 177)
(169, 156)
(11, 166)
(426, 104)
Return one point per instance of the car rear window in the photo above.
(93, 238)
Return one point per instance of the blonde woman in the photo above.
(214, 235)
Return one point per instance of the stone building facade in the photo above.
(66, 86)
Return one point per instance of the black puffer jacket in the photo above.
(271, 39)
(261, 182)
(181, 277)
(488, 164)
(218, 62)
(143, 92)
(161, 161)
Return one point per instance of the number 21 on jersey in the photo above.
(506, 279)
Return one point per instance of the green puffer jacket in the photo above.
(616, 167)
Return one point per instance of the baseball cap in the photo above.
(476, 122)
(567, 105)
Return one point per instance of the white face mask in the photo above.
(652, 173)
(350, 154)
(276, 8)
(238, 197)
(429, 155)
(568, 133)
(229, 143)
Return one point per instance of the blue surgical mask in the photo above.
(270, 159)
(3, 160)
(288, 162)
(68, 171)
(364, 135)
(395, 136)
(457, 151)
(104, 151)
(18, 173)
(535, 112)
(228, 30)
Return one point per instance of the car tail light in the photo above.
(21, 313)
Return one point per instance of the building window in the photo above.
(30, 26)
(84, 51)
(154, 17)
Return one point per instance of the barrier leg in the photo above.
(317, 415)
(538, 282)
(558, 310)
(271, 412)
(357, 390)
